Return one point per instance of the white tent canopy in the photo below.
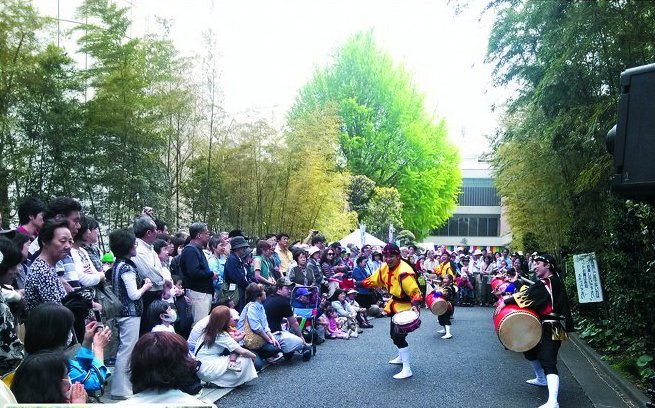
(355, 238)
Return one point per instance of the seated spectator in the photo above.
(303, 299)
(161, 316)
(160, 367)
(334, 330)
(11, 349)
(42, 284)
(278, 309)
(42, 378)
(223, 362)
(344, 310)
(255, 315)
(362, 320)
(49, 327)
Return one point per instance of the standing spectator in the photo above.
(88, 274)
(147, 263)
(277, 309)
(300, 274)
(282, 250)
(314, 265)
(365, 296)
(235, 280)
(274, 258)
(22, 242)
(90, 241)
(217, 261)
(262, 266)
(43, 285)
(430, 263)
(30, 217)
(130, 289)
(487, 275)
(11, 349)
(198, 278)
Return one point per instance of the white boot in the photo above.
(406, 372)
(396, 360)
(447, 335)
(442, 331)
(540, 378)
(553, 390)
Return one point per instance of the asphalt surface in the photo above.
(470, 370)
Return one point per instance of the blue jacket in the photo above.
(359, 274)
(195, 270)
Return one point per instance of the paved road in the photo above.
(470, 370)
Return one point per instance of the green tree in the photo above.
(19, 50)
(360, 191)
(551, 166)
(385, 133)
(123, 121)
(384, 208)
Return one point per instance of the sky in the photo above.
(267, 50)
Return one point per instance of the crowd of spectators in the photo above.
(205, 301)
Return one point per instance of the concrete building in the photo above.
(478, 220)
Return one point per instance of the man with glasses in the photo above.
(398, 277)
(148, 264)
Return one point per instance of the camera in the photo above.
(632, 140)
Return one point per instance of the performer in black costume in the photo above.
(548, 298)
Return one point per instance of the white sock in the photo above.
(538, 372)
(553, 389)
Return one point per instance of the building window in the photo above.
(470, 226)
(478, 192)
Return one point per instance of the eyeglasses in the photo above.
(330, 254)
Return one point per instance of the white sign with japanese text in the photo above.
(587, 278)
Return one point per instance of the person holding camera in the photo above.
(49, 327)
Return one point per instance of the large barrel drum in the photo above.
(518, 329)
(436, 303)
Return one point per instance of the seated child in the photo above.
(334, 325)
(237, 335)
(161, 316)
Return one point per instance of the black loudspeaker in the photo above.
(632, 139)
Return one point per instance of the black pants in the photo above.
(546, 351)
(366, 300)
(444, 319)
(399, 339)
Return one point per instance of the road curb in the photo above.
(624, 389)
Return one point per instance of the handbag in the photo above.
(225, 293)
(111, 304)
(251, 340)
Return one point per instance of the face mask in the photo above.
(169, 317)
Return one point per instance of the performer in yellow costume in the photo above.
(398, 277)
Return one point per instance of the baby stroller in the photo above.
(304, 302)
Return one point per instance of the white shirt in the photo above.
(148, 264)
(196, 332)
(163, 328)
